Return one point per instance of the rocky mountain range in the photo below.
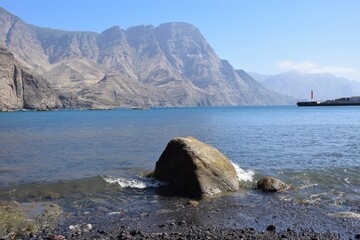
(299, 85)
(143, 66)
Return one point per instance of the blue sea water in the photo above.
(316, 149)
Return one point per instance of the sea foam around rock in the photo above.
(243, 175)
(139, 182)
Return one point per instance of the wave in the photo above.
(139, 182)
(243, 175)
(142, 182)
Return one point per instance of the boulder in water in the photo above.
(270, 184)
(195, 169)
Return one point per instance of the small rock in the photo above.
(271, 228)
(270, 184)
(87, 227)
(133, 233)
(357, 236)
(75, 228)
(55, 237)
(182, 223)
(193, 203)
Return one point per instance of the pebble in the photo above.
(77, 229)
(55, 237)
(87, 227)
(271, 228)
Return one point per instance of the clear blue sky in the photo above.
(264, 36)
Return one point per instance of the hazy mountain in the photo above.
(259, 77)
(325, 86)
(168, 65)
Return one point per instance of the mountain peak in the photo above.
(183, 25)
(168, 65)
(4, 11)
(115, 28)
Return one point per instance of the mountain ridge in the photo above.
(171, 65)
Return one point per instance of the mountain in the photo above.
(168, 65)
(325, 86)
(259, 77)
(21, 89)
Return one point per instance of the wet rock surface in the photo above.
(195, 169)
(271, 184)
(228, 218)
(206, 232)
(18, 220)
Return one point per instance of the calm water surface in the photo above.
(62, 153)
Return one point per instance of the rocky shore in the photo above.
(219, 211)
(231, 217)
(246, 214)
(181, 231)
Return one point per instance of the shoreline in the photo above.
(223, 218)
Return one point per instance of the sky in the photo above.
(262, 36)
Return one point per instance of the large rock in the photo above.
(195, 169)
(270, 184)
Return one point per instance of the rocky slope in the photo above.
(168, 65)
(21, 89)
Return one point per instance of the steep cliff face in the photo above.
(168, 65)
(20, 89)
(59, 45)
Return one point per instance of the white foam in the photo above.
(308, 185)
(132, 182)
(345, 215)
(114, 213)
(243, 175)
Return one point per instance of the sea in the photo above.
(90, 161)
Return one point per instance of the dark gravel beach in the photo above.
(227, 219)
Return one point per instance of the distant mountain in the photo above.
(299, 85)
(168, 65)
(259, 77)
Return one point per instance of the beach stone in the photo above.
(193, 203)
(271, 184)
(195, 169)
(271, 228)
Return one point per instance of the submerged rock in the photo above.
(195, 169)
(270, 184)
